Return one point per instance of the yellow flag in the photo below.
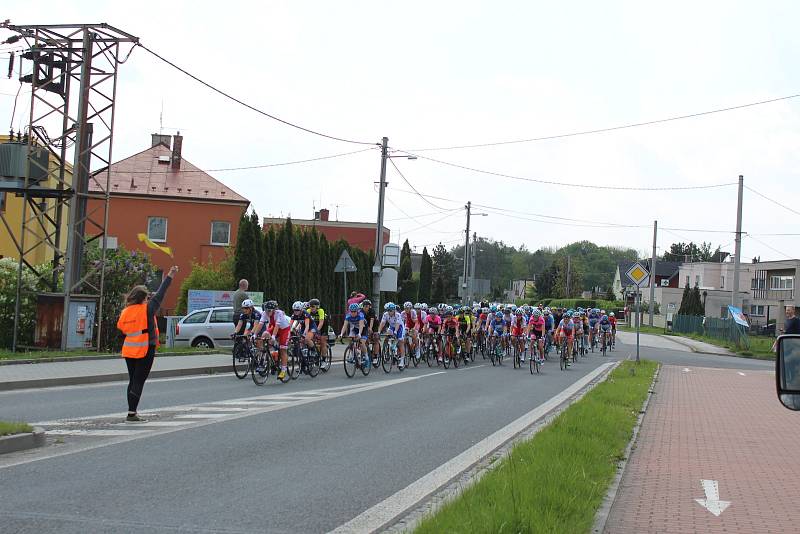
(149, 243)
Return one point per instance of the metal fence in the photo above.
(721, 329)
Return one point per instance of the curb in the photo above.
(114, 377)
(21, 442)
(601, 518)
(691, 347)
(100, 357)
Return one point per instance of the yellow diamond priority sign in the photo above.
(639, 274)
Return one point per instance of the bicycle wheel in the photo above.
(260, 367)
(412, 355)
(365, 369)
(241, 361)
(294, 362)
(387, 359)
(349, 362)
(534, 364)
(456, 356)
(447, 350)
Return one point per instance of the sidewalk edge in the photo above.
(601, 518)
(23, 441)
(113, 377)
(695, 350)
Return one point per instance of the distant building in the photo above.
(519, 288)
(357, 234)
(162, 195)
(666, 276)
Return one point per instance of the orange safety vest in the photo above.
(133, 323)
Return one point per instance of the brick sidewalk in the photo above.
(712, 424)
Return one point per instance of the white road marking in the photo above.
(203, 415)
(331, 393)
(686, 370)
(472, 367)
(94, 432)
(741, 373)
(712, 502)
(148, 424)
(382, 513)
(250, 403)
(211, 408)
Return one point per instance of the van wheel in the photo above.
(203, 343)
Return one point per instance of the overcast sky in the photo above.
(433, 74)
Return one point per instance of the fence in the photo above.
(721, 329)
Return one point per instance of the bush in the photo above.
(209, 275)
(8, 298)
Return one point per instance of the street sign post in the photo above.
(345, 265)
(640, 276)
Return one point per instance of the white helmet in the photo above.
(297, 306)
(247, 303)
(407, 305)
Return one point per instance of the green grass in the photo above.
(760, 346)
(556, 481)
(49, 354)
(644, 329)
(7, 428)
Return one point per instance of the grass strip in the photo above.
(556, 481)
(50, 354)
(760, 346)
(7, 428)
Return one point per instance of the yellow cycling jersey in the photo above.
(317, 317)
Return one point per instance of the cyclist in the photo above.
(316, 322)
(249, 315)
(450, 326)
(433, 324)
(605, 329)
(409, 316)
(580, 330)
(518, 327)
(392, 320)
(354, 326)
(422, 313)
(613, 320)
(299, 323)
(566, 333)
(465, 327)
(276, 330)
(536, 330)
(594, 316)
(371, 326)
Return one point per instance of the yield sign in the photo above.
(345, 264)
(639, 274)
(712, 502)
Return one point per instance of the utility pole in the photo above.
(738, 250)
(473, 253)
(466, 254)
(653, 273)
(569, 268)
(376, 268)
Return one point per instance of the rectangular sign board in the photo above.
(202, 298)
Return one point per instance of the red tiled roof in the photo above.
(143, 174)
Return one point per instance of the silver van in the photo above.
(206, 328)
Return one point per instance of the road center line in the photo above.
(382, 513)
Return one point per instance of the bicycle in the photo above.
(264, 363)
(604, 344)
(411, 351)
(563, 355)
(431, 348)
(449, 352)
(302, 359)
(354, 359)
(517, 351)
(534, 362)
(242, 353)
(389, 353)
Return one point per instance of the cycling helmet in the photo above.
(247, 303)
(448, 312)
(423, 306)
(353, 307)
(611, 314)
(366, 302)
(537, 312)
(493, 309)
(417, 306)
(313, 302)
(271, 305)
(602, 312)
(391, 306)
(518, 311)
(484, 310)
(513, 307)
(407, 305)
(297, 306)
(433, 310)
(507, 311)
(547, 309)
(462, 311)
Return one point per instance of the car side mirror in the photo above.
(787, 370)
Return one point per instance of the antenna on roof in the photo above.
(161, 119)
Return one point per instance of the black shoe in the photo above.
(133, 418)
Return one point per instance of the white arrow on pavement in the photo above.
(712, 502)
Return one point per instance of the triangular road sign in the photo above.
(345, 264)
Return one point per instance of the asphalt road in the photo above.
(306, 457)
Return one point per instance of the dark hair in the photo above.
(137, 295)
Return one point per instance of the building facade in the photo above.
(160, 194)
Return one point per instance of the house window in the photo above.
(758, 283)
(781, 282)
(757, 310)
(697, 279)
(722, 282)
(220, 233)
(157, 229)
(687, 279)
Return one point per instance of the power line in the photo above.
(422, 223)
(431, 214)
(412, 186)
(263, 166)
(769, 247)
(253, 108)
(772, 200)
(609, 129)
(565, 184)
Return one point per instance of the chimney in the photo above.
(158, 139)
(176, 151)
(323, 214)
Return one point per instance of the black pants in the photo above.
(138, 371)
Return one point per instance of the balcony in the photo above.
(773, 294)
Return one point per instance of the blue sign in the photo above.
(738, 316)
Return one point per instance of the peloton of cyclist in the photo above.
(355, 327)
(393, 323)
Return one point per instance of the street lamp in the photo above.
(705, 294)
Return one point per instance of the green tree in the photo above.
(546, 282)
(245, 263)
(697, 302)
(439, 291)
(690, 252)
(425, 277)
(404, 276)
(444, 268)
(8, 299)
(257, 240)
(685, 301)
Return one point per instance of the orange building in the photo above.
(158, 193)
(361, 235)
